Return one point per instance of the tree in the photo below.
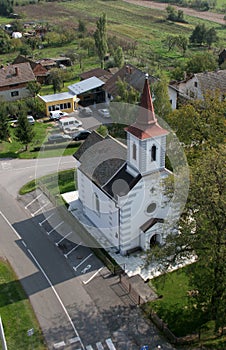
(161, 102)
(34, 87)
(5, 42)
(198, 34)
(81, 27)
(126, 93)
(24, 132)
(55, 78)
(211, 37)
(4, 125)
(119, 57)
(25, 50)
(202, 234)
(182, 43)
(6, 7)
(201, 62)
(100, 37)
(200, 124)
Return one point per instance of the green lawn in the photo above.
(62, 182)
(38, 148)
(16, 313)
(177, 308)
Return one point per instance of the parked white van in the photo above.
(57, 114)
(69, 123)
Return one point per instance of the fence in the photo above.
(127, 286)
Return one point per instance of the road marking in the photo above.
(24, 244)
(68, 234)
(73, 340)
(40, 223)
(45, 205)
(75, 267)
(99, 346)
(33, 201)
(57, 296)
(110, 344)
(48, 233)
(90, 279)
(89, 347)
(48, 280)
(5, 218)
(87, 268)
(66, 255)
(59, 345)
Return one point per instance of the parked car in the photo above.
(69, 122)
(86, 111)
(55, 115)
(30, 119)
(104, 112)
(57, 138)
(81, 135)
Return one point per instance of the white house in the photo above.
(198, 84)
(120, 187)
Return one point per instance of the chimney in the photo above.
(16, 71)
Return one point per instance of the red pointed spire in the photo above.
(147, 113)
(146, 125)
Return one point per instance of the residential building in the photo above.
(14, 81)
(197, 85)
(135, 78)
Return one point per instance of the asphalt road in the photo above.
(79, 305)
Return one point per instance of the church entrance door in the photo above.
(154, 240)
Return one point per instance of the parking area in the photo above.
(66, 237)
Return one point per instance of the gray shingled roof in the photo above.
(132, 75)
(100, 158)
(16, 74)
(212, 80)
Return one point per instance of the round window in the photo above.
(151, 208)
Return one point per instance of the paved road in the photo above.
(78, 304)
(207, 15)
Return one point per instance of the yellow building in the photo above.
(64, 101)
(88, 91)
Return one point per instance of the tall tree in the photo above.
(119, 57)
(6, 7)
(161, 102)
(56, 79)
(4, 125)
(24, 131)
(100, 37)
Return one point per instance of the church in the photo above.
(120, 185)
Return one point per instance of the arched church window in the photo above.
(134, 151)
(153, 153)
(96, 203)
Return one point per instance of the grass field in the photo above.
(147, 27)
(17, 314)
(176, 308)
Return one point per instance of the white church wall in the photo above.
(99, 208)
(145, 201)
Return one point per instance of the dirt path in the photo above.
(210, 16)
